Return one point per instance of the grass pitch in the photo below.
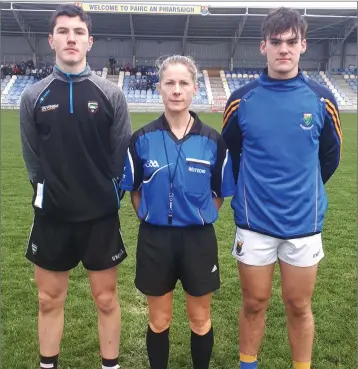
(334, 302)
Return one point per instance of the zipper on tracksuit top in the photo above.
(69, 75)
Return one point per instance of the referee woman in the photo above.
(178, 171)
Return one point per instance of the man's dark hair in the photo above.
(283, 19)
(70, 11)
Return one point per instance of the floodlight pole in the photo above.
(26, 31)
(183, 49)
(236, 38)
(133, 40)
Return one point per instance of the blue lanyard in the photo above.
(171, 179)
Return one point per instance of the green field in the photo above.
(334, 301)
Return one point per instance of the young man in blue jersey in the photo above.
(284, 135)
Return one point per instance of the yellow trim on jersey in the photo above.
(333, 108)
(230, 110)
(337, 124)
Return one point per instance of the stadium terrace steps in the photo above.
(217, 88)
(345, 88)
(113, 78)
(208, 86)
(12, 88)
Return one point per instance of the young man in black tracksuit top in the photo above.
(75, 130)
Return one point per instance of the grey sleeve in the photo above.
(29, 137)
(121, 132)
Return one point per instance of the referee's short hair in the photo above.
(70, 10)
(282, 20)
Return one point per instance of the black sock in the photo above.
(201, 348)
(110, 363)
(158, 348)
(48, 362)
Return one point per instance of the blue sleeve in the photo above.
(222, 179)
(231, 132)
(330, 143)
(133, 171)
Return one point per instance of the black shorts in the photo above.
(166, 254)
(60, 246)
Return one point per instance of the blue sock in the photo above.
(253, 365)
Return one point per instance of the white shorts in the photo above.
(257, 249)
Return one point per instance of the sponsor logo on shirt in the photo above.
(197, 170)
(151, 164)
(49, 107)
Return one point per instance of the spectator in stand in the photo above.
(23, 67)
(10, 71)
(112, 64)
(16, 69)
(144, 85)
(38, 74)
(137, 84)
(30, 64)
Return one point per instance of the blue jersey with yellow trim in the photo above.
(203, 171)
(284, 137)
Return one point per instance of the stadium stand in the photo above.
(227, 54)
(12, 88)
(140, 88)
(343, 88)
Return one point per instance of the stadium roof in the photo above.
(232, 22)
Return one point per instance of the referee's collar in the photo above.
(195, 128)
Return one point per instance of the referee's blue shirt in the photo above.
(204, 171)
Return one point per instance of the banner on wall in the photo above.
(143, 8)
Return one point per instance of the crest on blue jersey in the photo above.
(307, 118)
(307, 121)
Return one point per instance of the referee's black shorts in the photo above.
(60, 246)
(166, 254)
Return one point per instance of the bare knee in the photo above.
(160, 322)
(106, 301)
(298, 307)
(200, 325)
(255, 306)
(51, 301)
